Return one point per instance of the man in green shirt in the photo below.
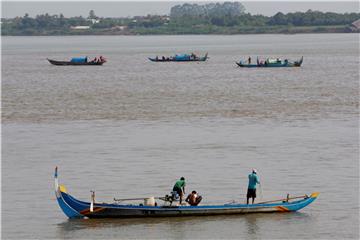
(179, 187)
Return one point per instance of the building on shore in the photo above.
(79, 27)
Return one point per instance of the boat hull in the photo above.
(67, 63)
(271, 65)
(74, 208)
(198, 59)
(173, 60)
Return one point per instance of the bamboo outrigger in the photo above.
(74, 208)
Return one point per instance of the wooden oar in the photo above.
(285, 199)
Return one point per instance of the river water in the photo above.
(131, 127)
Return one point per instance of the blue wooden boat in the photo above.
(180, 58)
(79, 61)
(74, 208)
(271, 63)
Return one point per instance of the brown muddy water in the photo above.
(131, 127)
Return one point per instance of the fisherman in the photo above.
(179, 187)
(249, 60)
(193, 56)
(253, 180)
(193, 198)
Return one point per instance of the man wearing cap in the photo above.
(179, 187)
(253, 180)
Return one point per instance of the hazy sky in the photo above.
(123, 9)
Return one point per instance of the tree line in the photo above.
(185, 18)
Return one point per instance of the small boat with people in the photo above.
(180, 58)
(74, 208)
(270, 62)
(79, 61)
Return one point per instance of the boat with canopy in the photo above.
(74, 208)
(270, 62)
(79, 61)
(180, 58)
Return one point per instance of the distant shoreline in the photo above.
(219, 31)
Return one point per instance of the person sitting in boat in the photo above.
(249, 60)
(102, 59)
(179, 188)
(157, 58)
(86, 58)
(253, 180)
(163, 58)
(193, 56)
(193, 198)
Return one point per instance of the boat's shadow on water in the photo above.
(253, 221)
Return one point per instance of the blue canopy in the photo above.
(79, 59)
(182, 57)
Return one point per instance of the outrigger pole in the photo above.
(285, 199)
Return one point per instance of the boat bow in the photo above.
(69, 205)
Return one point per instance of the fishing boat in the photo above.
(180, 58)
(74, 208)
(80, 61)
(271, 63)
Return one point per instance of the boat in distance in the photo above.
(74, 208)
(180, 58)
(80, 61)
(271, 63)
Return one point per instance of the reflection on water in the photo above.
(247, 226)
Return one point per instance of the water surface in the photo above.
(131, 127)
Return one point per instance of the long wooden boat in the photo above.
(70, 63)
(74, 208)
(266, 63)
(180, 58)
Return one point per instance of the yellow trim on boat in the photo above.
(315, 194)
(62, 188)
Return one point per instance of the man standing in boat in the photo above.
(253, 180)
(179, 187)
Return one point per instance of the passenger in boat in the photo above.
(249, 60)
(193, 56)
(157, 58)
(163, 58)
(253, 180)
(179, 187)
(86, 59)
(102, 59)
(193, 198)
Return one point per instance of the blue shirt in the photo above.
(253, 180)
